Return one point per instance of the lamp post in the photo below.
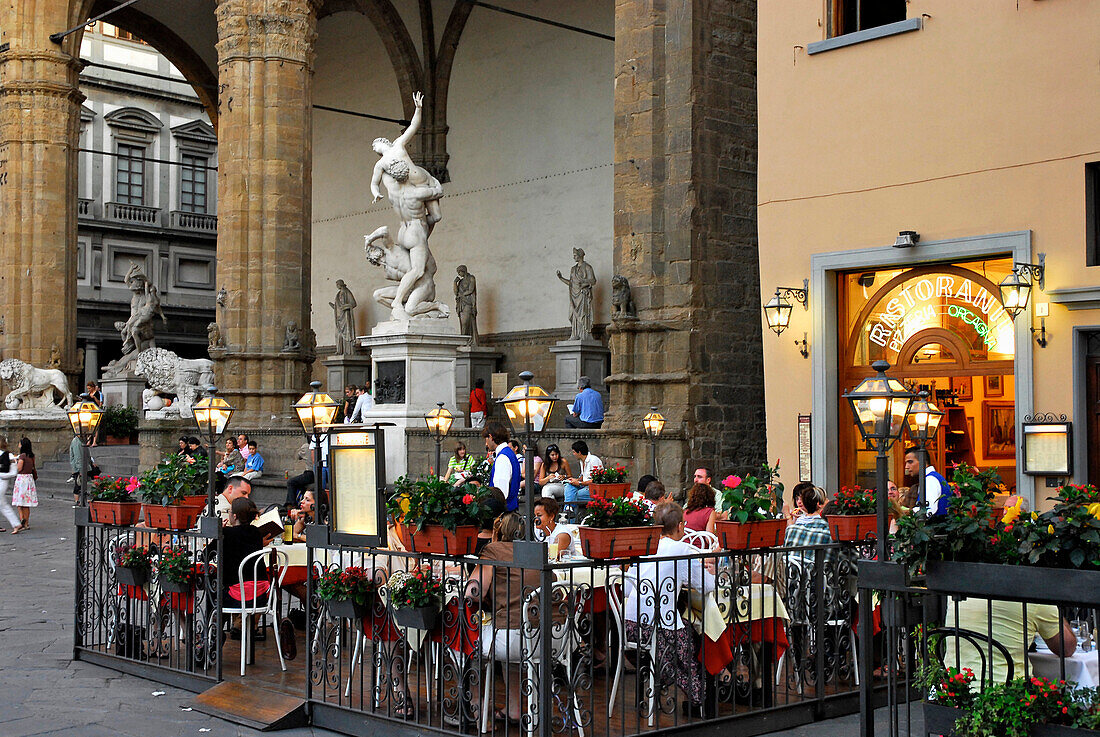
(84, 417)
(653, 423)
(315, 411)
(1016, 287)
(528, 407)
(439, 424)
(778, 309)
(212, 415)
(922, 424)
(879, 405)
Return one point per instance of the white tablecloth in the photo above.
(1080, 669)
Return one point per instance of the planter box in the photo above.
(746, 535)
(131, 576)
(990, 580)
(420, 618)
(196, 500)
(438, 539)
(940, 719)
(618, 542)
(609, 491)
(171, 587)
(1057, 730)
(172, 517)
(117, 440)
(115, 513)
(348, 609)
(853, 527)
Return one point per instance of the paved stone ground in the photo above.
(44, 692)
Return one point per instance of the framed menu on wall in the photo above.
(804, 448)
(357, 505)
(1048, 447)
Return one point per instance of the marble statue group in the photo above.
(137, 331)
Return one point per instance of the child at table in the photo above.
(651, 598)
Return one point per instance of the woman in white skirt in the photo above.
(8, 471)
(25, 494)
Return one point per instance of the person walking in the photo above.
(8, 472)
(76, 453)
(479, 405)
(25, 495)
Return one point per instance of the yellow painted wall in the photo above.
(981, 122)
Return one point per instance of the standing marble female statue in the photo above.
(345, 319)
(581, 280)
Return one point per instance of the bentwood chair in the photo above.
(619, 587)
(701, 540)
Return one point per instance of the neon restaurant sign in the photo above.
(947, 301)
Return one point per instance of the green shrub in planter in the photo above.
(119, 421)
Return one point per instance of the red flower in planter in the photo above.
(468, 499)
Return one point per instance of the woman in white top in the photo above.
(546, 519)
(8, 472)
(651, 601)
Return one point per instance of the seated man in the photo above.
(236, 487)
(653, 495)
(1004, 622)
(576, 487)
(254, 463)
(296, 485)
(587, 409)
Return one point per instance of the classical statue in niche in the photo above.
(342, 310)
(169, 374)
(622, 301)
(137, 331)
(414, 195)
(214, 337)
(582, 278)
(292, 337)
(55, 357)
(33, 388)
(466, 303)
(382, 251)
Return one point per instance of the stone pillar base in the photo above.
(125, 390)
(343, 370)
(413, 364)
(576, 358)
(474, 363)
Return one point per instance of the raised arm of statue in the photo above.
(414, 124)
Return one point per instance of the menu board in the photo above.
(804, 448)
(1047, 449)
(353, 467)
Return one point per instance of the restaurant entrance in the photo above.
(943, 329)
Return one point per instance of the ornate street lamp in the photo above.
(778, 310)
(84, 417)
(922, 425)
(315, 411)
(212, 415)
(653, 423)
(1016, 287)
(439, 422)
(527, 408)
(880, 405)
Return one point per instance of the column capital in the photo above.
(277, 30)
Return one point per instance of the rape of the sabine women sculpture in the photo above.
(137, 331)
(414, 195)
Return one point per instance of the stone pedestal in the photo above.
(576, 358)
(413, 364)
(125, 390)
(474, 363)
(343, 370)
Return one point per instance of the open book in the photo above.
(270, 523)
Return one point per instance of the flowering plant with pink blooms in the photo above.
(753, 498)
(114, 488)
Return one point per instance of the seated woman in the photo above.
(240, 539)
(306, 513)
(507, 587)
(699, 511)
(461, 464)
(231, 461)
(546, 522)
(650, 602)
(553, 473)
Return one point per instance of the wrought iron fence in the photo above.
(625, 647)
(136, 620)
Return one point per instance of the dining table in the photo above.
(1081, 667)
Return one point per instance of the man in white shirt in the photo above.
(505, 475)
(936, 491)
(363, 402)
(576, 487)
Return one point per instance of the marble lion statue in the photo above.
(33, 388)
(167, 373)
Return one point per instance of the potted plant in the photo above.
(119, 423)
(608, 482)
(164, 488)
(617, 528)
(112, 501)
(132, 565)
(347, 592)
(177, 574)
(753, 510)
(416, 598)
(438, 516)
(852, 515)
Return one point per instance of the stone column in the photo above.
(685, 229)
(265, 68)
(39, 124)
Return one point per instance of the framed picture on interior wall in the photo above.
(963, 386)
(994, 385)
(999, 429)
